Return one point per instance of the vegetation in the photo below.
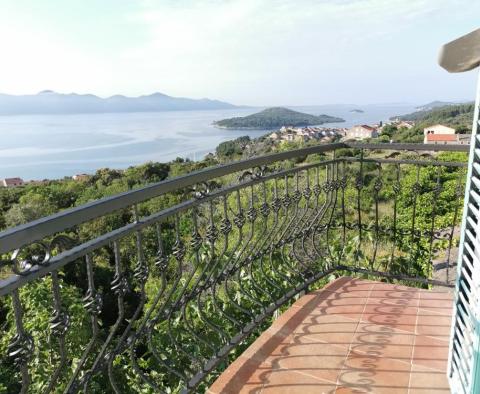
(232, 148)
(276, 117)
(433, 209)
(457, 116)
(434, 104)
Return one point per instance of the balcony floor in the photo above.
(354, 336)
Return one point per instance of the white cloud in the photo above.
(231, 46)
(32, 60)
(246, 51)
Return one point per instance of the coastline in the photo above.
(45, 146)
(214, 124)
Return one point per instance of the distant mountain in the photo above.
(49, 102)
(275, 117)
(358, 111)
(434, 104)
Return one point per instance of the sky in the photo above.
(250, 52)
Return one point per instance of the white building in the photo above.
(437, 130)
(11, 182)
(361, 131)
(274, 136)
(81, 177)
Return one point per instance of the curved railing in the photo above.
(158, 289)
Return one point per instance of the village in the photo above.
(303, 134)
(434, 134)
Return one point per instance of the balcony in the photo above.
(244, 276)
(353, 336)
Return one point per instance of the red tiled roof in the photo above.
(368, 127)
(441, 137)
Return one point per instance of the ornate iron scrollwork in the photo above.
(397, 188)
(92, 302)
(239, 219)
(59, 323)
(20, 349)
(23, 265)
(179, 250)
(203, 189)
(119, 285)
(359, 182)
(251, 214)
(231, 257)
(255, 173)
(226, 226)
(211, 234)
(416, 188)
(196, 241)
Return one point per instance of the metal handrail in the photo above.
(287, 248)
(15, 281)
(18, 236)
(266, 234)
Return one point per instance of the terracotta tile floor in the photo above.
(354, 336)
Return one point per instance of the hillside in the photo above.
(49, 102)
(275, 117)
(457, 116)
(434, 104)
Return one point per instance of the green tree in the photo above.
(389, 130)
(30, 207)
(462, 129)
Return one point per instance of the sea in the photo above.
(36, 147)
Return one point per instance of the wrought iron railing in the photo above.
(158, 289)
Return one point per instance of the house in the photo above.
(80, 177)
(301, 137)
(303, 134)
(443, 139)
(274, 136)
(405, 123)
(361, 132)
(437, 129)
(11, 182)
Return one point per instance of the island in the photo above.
(272, 118)
(358, 111)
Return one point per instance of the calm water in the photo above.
(53, 146)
